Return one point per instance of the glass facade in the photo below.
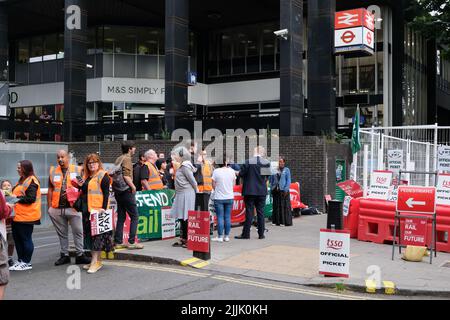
(414, 79)
(113, 51)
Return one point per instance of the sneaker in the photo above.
(86, 267)
(226, 239)
(217, 239)
(15, 266)
(134, 246)
(62, 260)
(23, 267)
(95, 268)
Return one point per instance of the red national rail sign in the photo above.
(416, 199)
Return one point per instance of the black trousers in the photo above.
(126, 204)
(250, 203)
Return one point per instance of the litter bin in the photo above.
(335, 216)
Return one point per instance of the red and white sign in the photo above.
(351, 188)
(101, 221)
(354, 18)
(334, 253)
(443, 190)
(348, 37)
(414, 232)
(198, 231)
(368, 38)
(380, 182)
(416, 199)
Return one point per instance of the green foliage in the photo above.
(339, 287)
(165, 134)
(432, 19)
(334, 137)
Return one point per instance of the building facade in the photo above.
(134, 69)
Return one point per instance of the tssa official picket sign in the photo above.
(334, 253)
(380, 182)
(443, 190)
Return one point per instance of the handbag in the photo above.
(116, 174)
(78, 204)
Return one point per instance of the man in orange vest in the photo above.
(154, 180)
(205, 184)
(60, 211)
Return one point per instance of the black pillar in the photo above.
(75, 43)
(321, 65)
(176, 51)
(291, 66)
(432, 117)
(398, 54)
(4, 87)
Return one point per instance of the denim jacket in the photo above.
(284, 182)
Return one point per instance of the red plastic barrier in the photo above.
(352, 219)
(376, 223)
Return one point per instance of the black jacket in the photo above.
(255, 173)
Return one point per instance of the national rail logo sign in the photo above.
(354, 31)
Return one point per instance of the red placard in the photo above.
(416, 199)
(414, 232)
(351, 188)
(354, 18)
(198, 231)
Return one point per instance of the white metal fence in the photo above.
(418, 143)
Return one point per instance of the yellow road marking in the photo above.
(186, 262)
(200, 265)
(239, 281)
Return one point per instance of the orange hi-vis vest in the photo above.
(56, 177)
(154, 179)
(27, 212)
(95, 194)
(207, 172)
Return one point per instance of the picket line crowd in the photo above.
(76, 192)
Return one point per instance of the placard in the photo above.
(380, 182)
(101, 221)
(198, 231)
(346, 205)
(351, 188)
(167, 224)
(334, 253)
(444, 158)
(443, 190)
(395, 160)
(414, 232)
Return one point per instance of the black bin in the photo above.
(335, 216)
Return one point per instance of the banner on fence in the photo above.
(395, 161)
(380, 182)
(444, 158)
(443, 190)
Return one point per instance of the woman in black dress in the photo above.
(95, 196)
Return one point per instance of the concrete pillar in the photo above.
(177, 52)
(75, 51)
(321, 65)
(291, 66)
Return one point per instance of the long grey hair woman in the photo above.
(185, 189)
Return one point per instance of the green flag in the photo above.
(356, 144)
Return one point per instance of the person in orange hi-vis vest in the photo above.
(205, 185)
(27, 214)
(60, 210)
(95, 196)
(154, 181)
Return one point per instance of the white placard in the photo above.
(101, 222)
(346, 205)
(167, 224)
(380, 182)
(393, 193)
(444, 158)
(334, 253)
(443, 190)
(395, 161)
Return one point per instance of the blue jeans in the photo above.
(22, 233)
(223, 212)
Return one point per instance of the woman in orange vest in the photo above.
(27, 214)
(95, 196)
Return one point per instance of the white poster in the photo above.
(334, 253)
(393, 194)
(346, 205)
(443, 190)
(167, 224)
(101, 222)
(380, 182)
(395, 161)
(444, 158)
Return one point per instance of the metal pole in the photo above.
(435, 147)
(427, 164)
(372, 141)
(365, 169)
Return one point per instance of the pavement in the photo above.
(291, 255)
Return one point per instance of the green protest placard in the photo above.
(154, 220)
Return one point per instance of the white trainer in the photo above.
(15, 266)
(226, 239)
(217, 239)
(24, 267)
